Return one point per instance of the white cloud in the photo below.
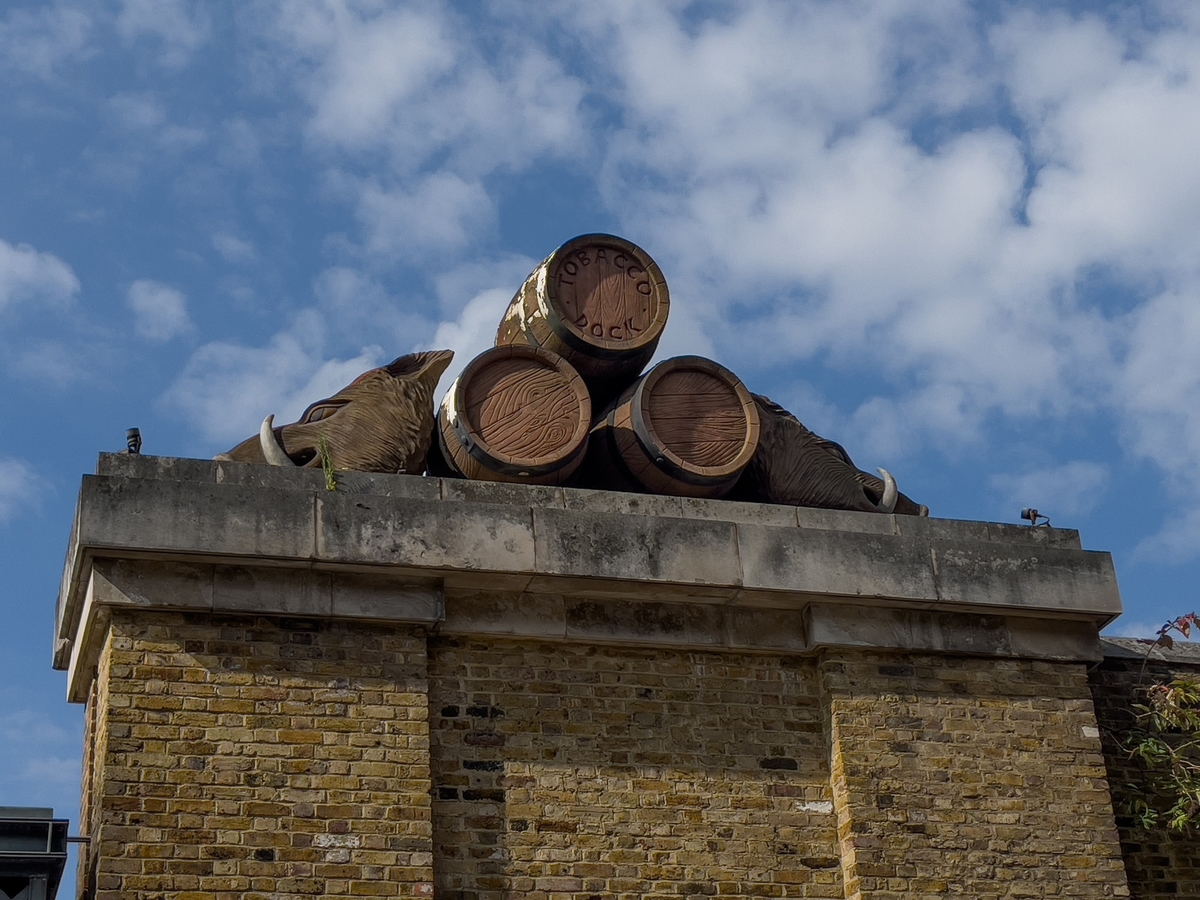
(227, 389)
(39, 42)
(51, 363)
(146, 115)
(233, 249)
(19, 489)
(411, 96)
(1071, 489)
(28, 276)
(437, 213)
(63, 770)
(471, 333)
(179, 26)
(160, 311)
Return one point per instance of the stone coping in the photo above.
(539, 555)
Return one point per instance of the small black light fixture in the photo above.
(1032, 516)
(133, 441)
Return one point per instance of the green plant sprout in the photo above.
(327, 462)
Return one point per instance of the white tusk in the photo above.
(270, 447)
(888, 503)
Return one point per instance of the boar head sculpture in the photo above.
(381, 422)
(796, 467)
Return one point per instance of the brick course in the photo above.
(565, 770)
(968, 777)
(256, 758)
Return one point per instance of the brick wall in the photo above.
(267, 757)
(1161, 864)
(565, 770)
(256, 758)
(968, 777)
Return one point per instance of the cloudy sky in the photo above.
(962, 239)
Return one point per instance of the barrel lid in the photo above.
(519, 410)
(695, 418)
(606, 291)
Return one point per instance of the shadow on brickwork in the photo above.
(604, 770)
(1160, 864)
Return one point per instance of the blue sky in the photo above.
(961, 239)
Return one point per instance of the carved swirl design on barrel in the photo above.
(523, 412)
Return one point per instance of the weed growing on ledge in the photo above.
(327, 462)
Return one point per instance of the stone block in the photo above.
(357, 596)
(737, 511)
(627, 622)
(636, 548)
(812, 561)
(168, 468)
(413, 487)
(464, 491)
(268, 591)
(766, 629)
(621, 503)
(400, 532)
(161, 585)
(845, 520)
(190, 517)
(1016, 577)
(522, 615)
(1054, 639)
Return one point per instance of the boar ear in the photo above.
(418, 363)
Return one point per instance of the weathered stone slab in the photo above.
(400, 532)
(193, 517)
(161, 585)
(567, 562)
(852, 564)
(168, 468)
(627, 622)
(462, 490)
(502, 613)
(636, 548)
(845, 520)
(621, 503)
(267, 591)
(356, 596)
(1007, 576)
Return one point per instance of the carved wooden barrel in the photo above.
(599, 302)
(688, 427)
(515, 414)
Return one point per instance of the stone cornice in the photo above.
(570, 564)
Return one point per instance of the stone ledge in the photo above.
(293, 541)
(314, 593)
(245, 590)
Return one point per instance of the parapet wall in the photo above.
(411, 686)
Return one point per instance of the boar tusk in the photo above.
(270, 447)
(888, 503)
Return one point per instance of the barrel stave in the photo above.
(687, 428)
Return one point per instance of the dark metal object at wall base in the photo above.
(33, 852)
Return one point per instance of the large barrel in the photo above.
(514, 414)
(599, 302)
(688, 427)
